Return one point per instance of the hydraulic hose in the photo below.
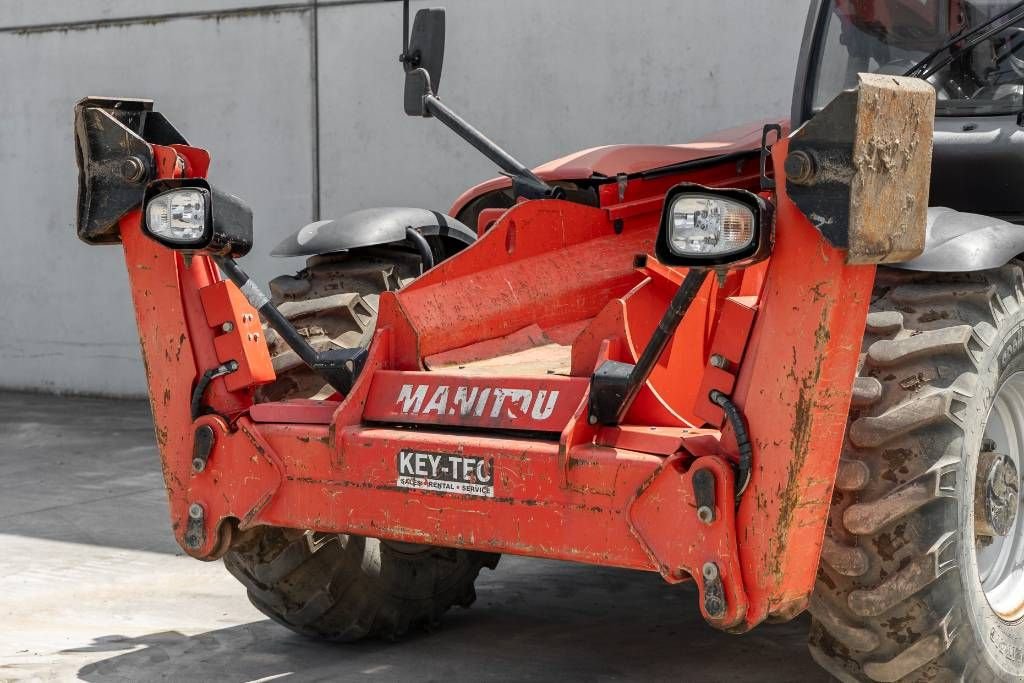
(338, 367)
(204, 383)
(262, 303)
(739, 426)
(422, 246)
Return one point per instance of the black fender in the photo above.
(957, 242)
(371, 227)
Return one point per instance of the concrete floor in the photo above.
(93, 587)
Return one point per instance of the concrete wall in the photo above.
(300, 105)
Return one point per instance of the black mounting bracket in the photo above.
(766, 153)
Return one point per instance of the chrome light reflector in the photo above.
(179, 216)
(714, 227)
(704, 225)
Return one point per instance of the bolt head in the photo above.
(195, 511)
(198, 465)
(714, 606)
(133, 169)
(705, 514)
(228, 326)
(710, 571)
(718, 361)
(592, 419)
(800, 167)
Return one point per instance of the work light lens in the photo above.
(704, 225)
(178, 216)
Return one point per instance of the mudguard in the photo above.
(370, 227)
(957, 242)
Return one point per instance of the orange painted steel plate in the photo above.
(240, 337)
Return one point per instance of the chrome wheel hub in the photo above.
(996, 495)
(998, 523)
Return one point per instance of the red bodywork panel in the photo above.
(552, 289)
(614, 160)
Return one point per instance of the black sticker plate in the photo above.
(446, 473)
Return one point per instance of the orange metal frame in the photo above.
(557, 487)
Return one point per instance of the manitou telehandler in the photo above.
(784, 363)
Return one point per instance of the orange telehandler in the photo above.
(787, 366)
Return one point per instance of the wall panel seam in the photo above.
(236, 12)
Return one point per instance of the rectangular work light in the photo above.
(190, 215)
(707, 227)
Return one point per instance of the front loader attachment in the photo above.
(467, 424)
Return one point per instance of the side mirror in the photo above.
(190, 215)
(423, 58)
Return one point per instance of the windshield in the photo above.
(893, 36)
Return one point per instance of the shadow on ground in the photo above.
(534, 621)
(91, 562)
(71, 466)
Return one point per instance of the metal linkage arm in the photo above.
(338, 367)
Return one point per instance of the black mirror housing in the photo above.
(426, 45)
(423, 58)
(228, 220)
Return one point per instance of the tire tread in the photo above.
(896, 494)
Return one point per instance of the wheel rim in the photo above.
(999, 541)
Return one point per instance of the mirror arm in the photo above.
(408, 60)
(525, 182)
(405, 30)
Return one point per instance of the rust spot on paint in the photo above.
(579, 462)
(803, 422)
(255, 442)
(816, 291)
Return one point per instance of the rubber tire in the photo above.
(351, 587)
(897, 597)
(333, 586)
(332, 302)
